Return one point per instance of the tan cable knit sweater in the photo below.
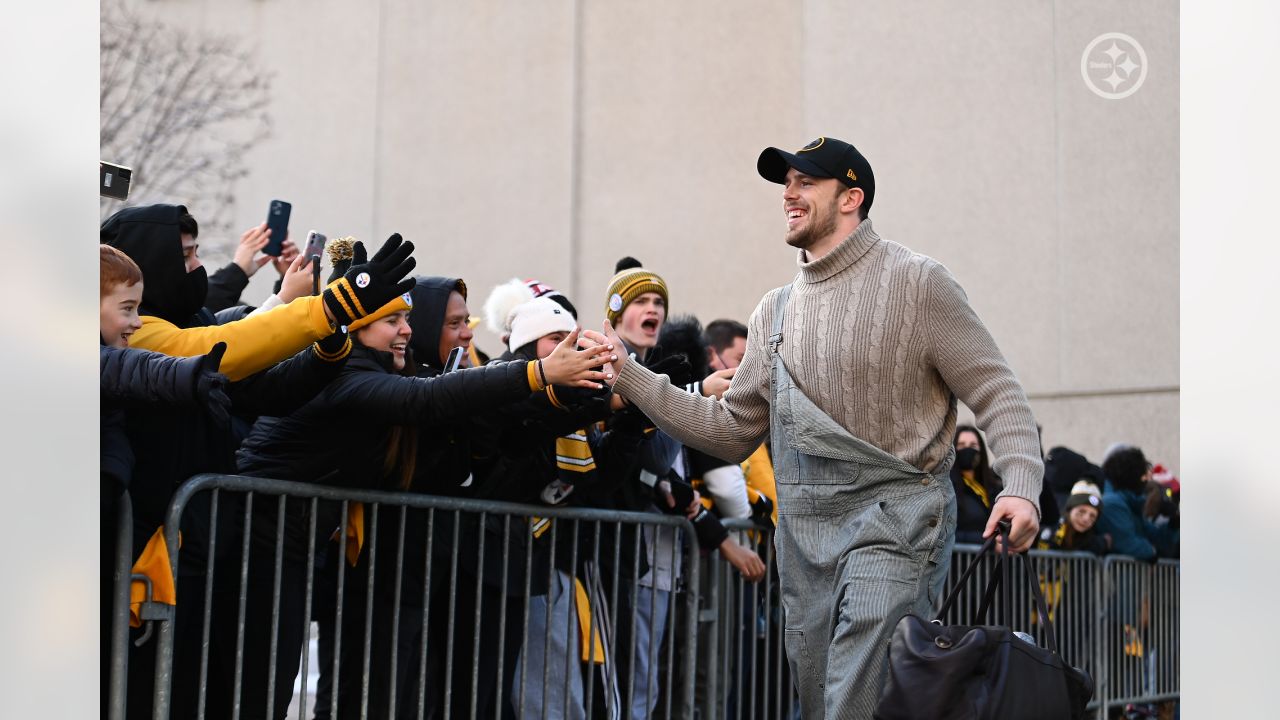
(884, 341)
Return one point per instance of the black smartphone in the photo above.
(278, 224)
(682, 492)
(455, 359)
(113, 180)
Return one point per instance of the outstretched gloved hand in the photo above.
(211, 385)
(369, 285)
(675, 367)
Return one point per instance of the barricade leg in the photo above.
(117, 563)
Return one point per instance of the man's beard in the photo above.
(819, 226)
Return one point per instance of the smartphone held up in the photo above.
(315, 245)
(311, 254)
(278, 224)
(455, 359)
(114, 180)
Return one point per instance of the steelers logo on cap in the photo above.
(362, 280)
(615, 303)
(408, 299)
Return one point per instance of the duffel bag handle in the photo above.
(1003, 565)
(1041, 607)
(1002, 531)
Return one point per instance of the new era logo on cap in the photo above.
(824, 157)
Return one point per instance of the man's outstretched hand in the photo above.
(1023, 518)
(609, 337)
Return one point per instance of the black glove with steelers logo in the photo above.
(367, 286)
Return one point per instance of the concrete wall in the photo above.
(548, 138)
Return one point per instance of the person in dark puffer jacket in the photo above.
(379, 405)
(439, 322)
(541, 452)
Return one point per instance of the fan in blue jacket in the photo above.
(1132, 534)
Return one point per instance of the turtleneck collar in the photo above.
(849, 251)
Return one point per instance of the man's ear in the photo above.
(853, 198)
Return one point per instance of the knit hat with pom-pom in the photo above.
(629, 282)
(1085, 493)
(501, 301)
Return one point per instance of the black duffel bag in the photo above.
(955, 672)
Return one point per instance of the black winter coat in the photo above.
(137, 379)
(174, 443)
(340, 438)
(225, 287)
(514, 458)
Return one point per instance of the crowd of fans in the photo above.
(1126, 506)
(349, 383)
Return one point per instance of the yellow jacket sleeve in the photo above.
(255, 343)
(759, 472)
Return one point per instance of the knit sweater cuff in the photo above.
(637, 383)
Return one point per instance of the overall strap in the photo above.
(780, 303)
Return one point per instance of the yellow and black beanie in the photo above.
(629, 282)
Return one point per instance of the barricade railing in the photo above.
(121, 582)
(451, 601)
(1114, 617)
(744, 659)
(440, 607)
(1140, 620)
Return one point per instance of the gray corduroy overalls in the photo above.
(863, 538)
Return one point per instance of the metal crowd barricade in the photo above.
(120, 587)
(743, 670)
(1114, 617)
(1140, 621)
(247, 600)
(720, 652)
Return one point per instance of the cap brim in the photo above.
(774, 163)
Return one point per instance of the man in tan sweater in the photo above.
(853, 371)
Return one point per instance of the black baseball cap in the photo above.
(823, 158)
